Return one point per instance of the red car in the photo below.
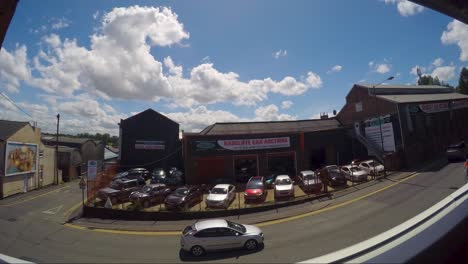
(256, 189)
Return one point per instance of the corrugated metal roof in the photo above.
(405, 89)
(51, 138)
(109, 154)
(8, 128)
(413, 98)
(271, 127)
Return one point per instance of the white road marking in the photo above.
(53, 211)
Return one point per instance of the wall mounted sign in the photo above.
(20, 158)
(257, 143)
(150, 144)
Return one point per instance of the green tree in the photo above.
(463, 82)
(428, 80)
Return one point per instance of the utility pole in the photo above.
(56, 150)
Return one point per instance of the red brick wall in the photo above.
(370, 107)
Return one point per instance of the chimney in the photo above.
(323, 115)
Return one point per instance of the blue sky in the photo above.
(201, 62)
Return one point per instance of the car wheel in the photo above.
(251, 244)
(197, 251)
(146, 204)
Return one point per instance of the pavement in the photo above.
(33, 228)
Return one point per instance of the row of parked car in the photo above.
(167, 188)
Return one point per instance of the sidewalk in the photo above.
(337, 198)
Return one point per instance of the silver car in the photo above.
(219, 234)
(354, 173)
(372, 167)
(221, 196)
(284, 186)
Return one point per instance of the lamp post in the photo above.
(56, 150)
(379, 119)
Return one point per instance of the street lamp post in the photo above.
(56, 150)
(379, 118)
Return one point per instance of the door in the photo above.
(228, 238)
(208, 238)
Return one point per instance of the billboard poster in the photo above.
(20, 158)
(258, 143)
(374, 135)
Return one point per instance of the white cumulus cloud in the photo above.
(444, 73)
(14, 68)
(286, 104)
(280, 53)
(314, 80)
(336, 68)
(457, 33)
(405, 7)
(382, 68)
(438, 62)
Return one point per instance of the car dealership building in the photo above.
(227, 150)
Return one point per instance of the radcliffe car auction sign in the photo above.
(258, 143)
(20, 158)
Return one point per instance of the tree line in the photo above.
(106, 138)
(462, 86)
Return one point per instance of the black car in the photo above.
(457, 151)
(119, 190)
(140, 171)
(150, 194)
(335, 177)
(130, 176)
(159, 175)
(183, 198)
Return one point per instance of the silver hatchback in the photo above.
(219, 234)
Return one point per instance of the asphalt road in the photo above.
(33, 230)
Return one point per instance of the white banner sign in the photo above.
(373, 135)
(258, 143)
(441, 107)
(92, 169)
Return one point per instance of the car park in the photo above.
(457, 152)
(372, 167)
(284, 186)
(354, 173)
(309, 181)
(256, 189)
(269, 180)
(150, 194)
(130, 176)
(219, 234)
(119, 190)
(158, 175)
(335, 177)
(183, 198)
(221, 196)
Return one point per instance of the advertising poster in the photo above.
(20, 158)
(373, 134)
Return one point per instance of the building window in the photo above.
(359, 107)
(245, 167)
(41, 154)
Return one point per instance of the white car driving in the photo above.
(372, 167)
(354, 173)
(221, 196)
(284, 186)
(219, 234)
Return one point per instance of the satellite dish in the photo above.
(334, 112)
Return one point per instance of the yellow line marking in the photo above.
(267, 223)
(35, 197)
(287, 219)
(126, 232)
(73, 208)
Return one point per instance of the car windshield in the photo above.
(181, 192)
(310, 176)
(236, 226)
(254, 184)
(219, 191)
(158, 172)
(332, 168)
(122, 174)
(283, 181)
(187, 230)
(373, 164)
(355, 169)
(146, 189)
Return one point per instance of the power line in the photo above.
(153, 162)
(17, 106)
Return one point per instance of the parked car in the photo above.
(219, 234)
(284, 186)
(457, 151)
(269, 180)
(158, 176)
(119, 190)
(372, 167)
(144, 173)
(221, 196)
(130, 176)
(150, 194)
(354, 173)
(309, 181)
(183, 198)
(256, 189)
(335, 177)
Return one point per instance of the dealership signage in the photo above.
(257, 143)
(444, 106)
(20, 158)
(376, 133)
(92, 169)
(150, 144)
